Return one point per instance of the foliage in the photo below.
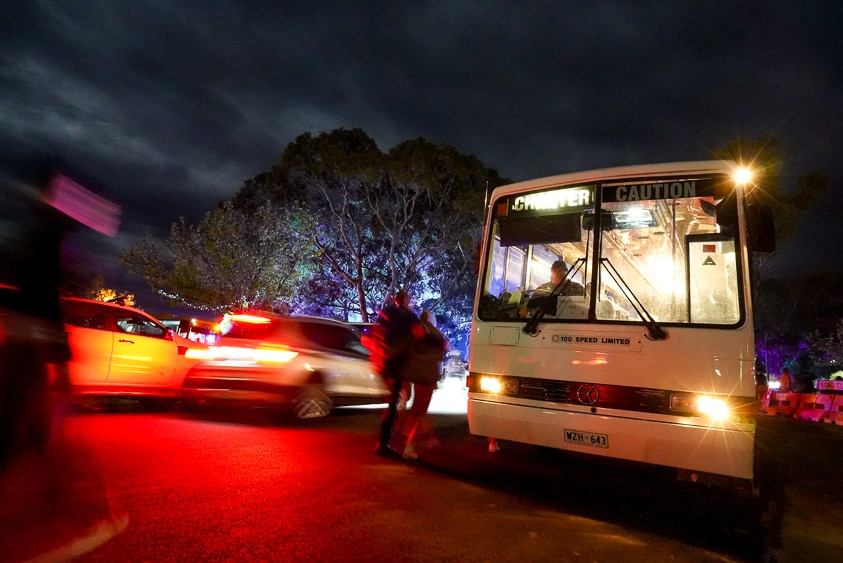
(230, 259)
(97, 291)
(798, 323)
(407, 219)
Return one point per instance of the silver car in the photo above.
(310, 364)
(454, 366)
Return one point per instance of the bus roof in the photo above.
(620, 172)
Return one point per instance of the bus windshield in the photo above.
(660, 250)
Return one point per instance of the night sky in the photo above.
(171, 106)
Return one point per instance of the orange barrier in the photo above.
(835, 415)
(782, 405)
(815, 407)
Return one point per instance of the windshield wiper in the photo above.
(549, 302)
(656, 331)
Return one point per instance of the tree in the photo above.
(97, 291)
(410, 218)
(230, 259)
(798, 321)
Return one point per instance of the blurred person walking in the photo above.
(401, 329)
(40, 473)
(424, 370)
(785, 383)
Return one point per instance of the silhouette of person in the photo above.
(425, 359)
(558, 270)
(785, 383)
(401, 329)
(34, 382)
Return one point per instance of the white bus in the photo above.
(645, 350)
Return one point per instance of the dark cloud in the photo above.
(172, 106)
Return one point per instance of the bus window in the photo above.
(643, 269)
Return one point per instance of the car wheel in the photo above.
(156, 404)
(312, 402)
(196, 405)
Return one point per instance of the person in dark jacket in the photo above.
(401, 329)
(426, 361)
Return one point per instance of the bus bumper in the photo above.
(726, 450)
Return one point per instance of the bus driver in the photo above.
(558, 270)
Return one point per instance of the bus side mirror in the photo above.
(760, 229)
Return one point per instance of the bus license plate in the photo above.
(586, 439)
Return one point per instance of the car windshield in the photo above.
(333, 337)
(259, 329)
(299, 333)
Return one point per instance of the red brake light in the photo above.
(273, 355)
(196, 353)
(251, 319)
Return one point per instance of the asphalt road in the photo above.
(244, 486)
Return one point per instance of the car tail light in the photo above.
(196, 353)
(261, 355)
(251, 319)
(273, 355)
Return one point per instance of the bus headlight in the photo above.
(699, 405)
(713, 407)
(490, 384)
(498, 385)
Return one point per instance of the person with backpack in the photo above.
(400, 331)
(423, 370)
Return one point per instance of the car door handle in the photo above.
(126, 341)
